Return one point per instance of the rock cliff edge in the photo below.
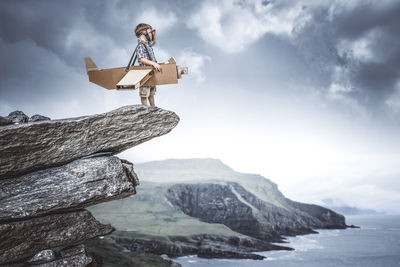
(50, 170)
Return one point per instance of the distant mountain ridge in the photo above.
(340, 207)
(201, 164)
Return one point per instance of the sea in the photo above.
(375, 244)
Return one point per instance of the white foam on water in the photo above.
(330, 233)
(187, 257)
(305, 243)
(281, 255)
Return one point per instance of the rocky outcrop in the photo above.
(71, 256)
(326, 218)
(37, 145)
(5, 121)
(38, 117)
(232, 205)
(214, 203)
(204, 246)
(106, 252)
(51, 169)
(288, 217)
(22, 239)
(72, 186)
(18, 117)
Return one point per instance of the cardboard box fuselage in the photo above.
(108, 78)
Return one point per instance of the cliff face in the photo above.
(247, 203)
(198, 206)
(214, 203)
(50, 170)
(231, 204)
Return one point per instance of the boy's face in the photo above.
(150, 33)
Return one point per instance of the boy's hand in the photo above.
(157, 66)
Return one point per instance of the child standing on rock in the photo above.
(145, 54)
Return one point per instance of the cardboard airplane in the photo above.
(136, 76)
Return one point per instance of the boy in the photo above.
(146, 39)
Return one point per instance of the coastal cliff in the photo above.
(203, 207)
(232, 205)
(50, 170)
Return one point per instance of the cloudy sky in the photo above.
(306, 93)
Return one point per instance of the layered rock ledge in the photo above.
(51, 169)
(37, 145)
(21, 239)
(72, 186)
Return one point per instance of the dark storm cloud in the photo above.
(48, 23)
(348, 51)
(330, 40)
(37, 67)
(378, 76)
(43, 44)
(351, 23)
(72, 30)
(45, 22)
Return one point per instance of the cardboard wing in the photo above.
(134, 79)
(118, 78)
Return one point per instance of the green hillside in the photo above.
(148, 212)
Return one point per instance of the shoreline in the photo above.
(203, 246)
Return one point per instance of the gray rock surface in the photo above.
(51, 169)
(205, 245)
(326, 218)
(71, 256)
(106, 252)
(37, 145)
(38, 117)
(5, 121)
(71, 251)
(212, 203)
(78, 259)
(72, 186)
(42, 257)
(232, 205)
(18, 117)
(22, 239)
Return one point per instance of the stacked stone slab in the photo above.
(50, 170)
